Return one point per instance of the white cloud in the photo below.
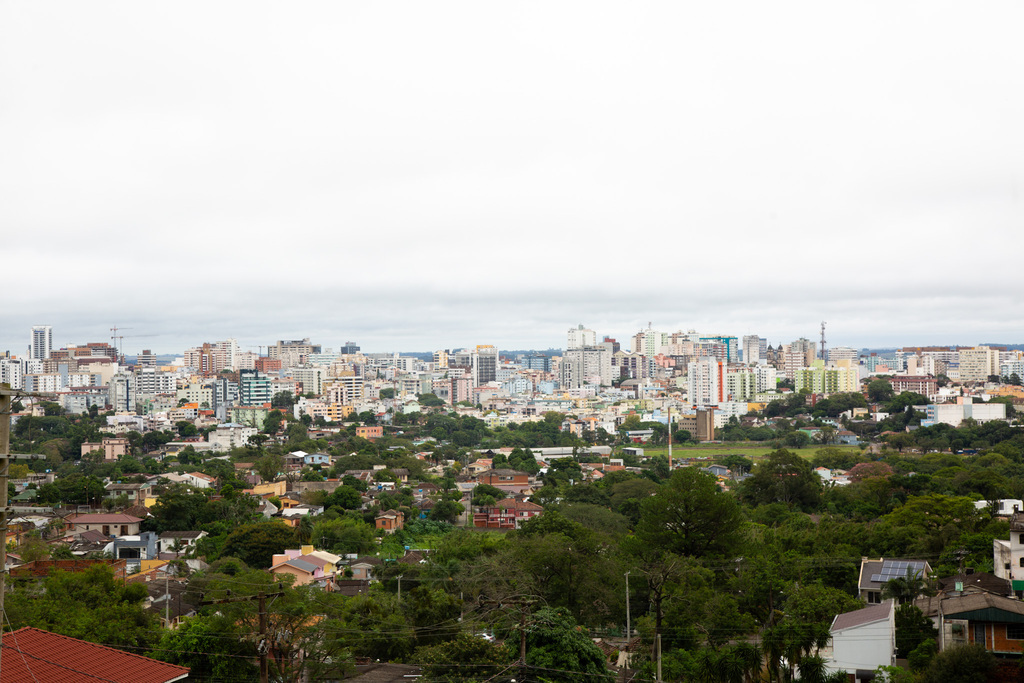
(422, 175)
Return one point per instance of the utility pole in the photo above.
(523, 603)
(658, 645)
(262, 644)
(6, 401)
(669, 442)
(628, 630)
(5, 450)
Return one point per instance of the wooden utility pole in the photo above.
(6, 401)
(5, 451)
(262, 644)
(523, 603)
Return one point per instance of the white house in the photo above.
(863, 640)
(230, 435)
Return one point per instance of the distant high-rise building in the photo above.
(730, 346)
(754, 349)
(42, 342)
(579, 337)
(485, 364)
(706, 381)
(650, 342)
(293, 352)
(586, 365)
(536, 361)
(350, 348)
(837, 353)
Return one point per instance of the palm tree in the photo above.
(904, 589)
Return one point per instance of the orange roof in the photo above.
(30, 654)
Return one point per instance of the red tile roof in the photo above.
(30, 654)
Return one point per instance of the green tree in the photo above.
(557, 649)
(272, 423)
(92, 605)
(344, 497)
(968, 663)
(256, 544)
(282, 399)
(690, 515)
(783, 477)
(344, 535)
(880, 390)
(212, 648)
(269, 466)
(466, 657)
(912, 629)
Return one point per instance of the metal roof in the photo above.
(30, 654)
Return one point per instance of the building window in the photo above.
(1015, 631)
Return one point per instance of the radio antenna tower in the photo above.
(823, 357)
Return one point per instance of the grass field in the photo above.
(754, 451)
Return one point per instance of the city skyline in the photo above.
(148, 341)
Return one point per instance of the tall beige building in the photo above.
(978, 363)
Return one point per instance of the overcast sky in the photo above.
(422, 175)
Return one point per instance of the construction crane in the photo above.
(118, 340)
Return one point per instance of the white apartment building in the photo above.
(767, 378)
(754, 349)
(230, 435)
(12, 372)
(705, 380)
(578, 337)
(151, 381)
(41, 343)
(838, 353)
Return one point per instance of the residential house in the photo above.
(994, 621)
(508, 513)
(365, 568)
(863, 640)
(390, 521)
(1008, 555)
(506, 480)
(174, 541)
(169, 601)
(322, 459)
(137, 493)
(371, 432)
(107, 524)
(874, 574)
(200, 480)
(1005, 507)
(135, 548)
(112, 448)
(293, 462)
(293, 515)
(303, 571)
(480, 465)
(30, 654)
(976, 582)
